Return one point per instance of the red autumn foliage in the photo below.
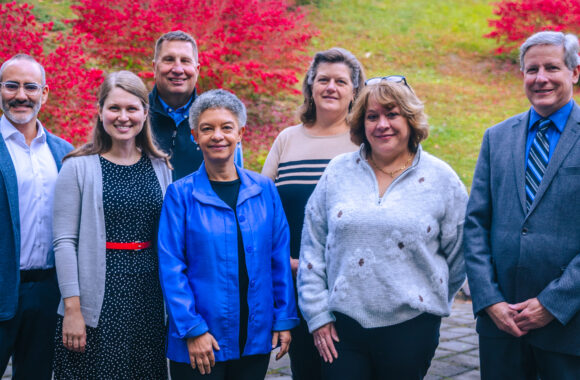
(71, 102)
(255, 48)
(247, 46)
(519, 19)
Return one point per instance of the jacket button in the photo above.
(253, 283)
(249, 249)
(242, 218)
(524, 231)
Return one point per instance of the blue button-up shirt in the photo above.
(559, 118)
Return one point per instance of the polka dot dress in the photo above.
(129, 341)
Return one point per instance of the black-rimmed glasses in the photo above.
(390, 78)
(29, 88)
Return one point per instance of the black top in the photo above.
(294, 198)
(228, 192)
(185, 155)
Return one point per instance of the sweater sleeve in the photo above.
(66, 225)
(312, 279)
(452, 235)
(270, 168)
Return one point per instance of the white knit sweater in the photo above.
(382, 260)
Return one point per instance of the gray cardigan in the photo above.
(79, 231)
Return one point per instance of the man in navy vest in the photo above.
(176, 68)
(30, 158)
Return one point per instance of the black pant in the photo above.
(247, 368)
(514, 359)
(403, 351)
(305, 361)
(29, 336)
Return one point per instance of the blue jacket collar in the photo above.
(204, 193)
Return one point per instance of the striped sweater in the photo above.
(296, 163)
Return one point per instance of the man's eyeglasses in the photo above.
(390, 78)
(29, 88)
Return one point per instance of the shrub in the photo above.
(255, 48)
(519, 19)
(247, 46)
(71, 103)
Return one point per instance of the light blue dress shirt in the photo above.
(36, 173)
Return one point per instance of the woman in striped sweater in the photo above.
(299, 156)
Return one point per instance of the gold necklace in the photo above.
(392, 173)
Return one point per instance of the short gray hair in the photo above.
(176, 35)
(215, 99)
(568, 42)
(23, 57)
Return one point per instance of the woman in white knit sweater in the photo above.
(380, 258)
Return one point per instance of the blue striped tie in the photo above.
(537, 161)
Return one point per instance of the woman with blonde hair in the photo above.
(107, 205)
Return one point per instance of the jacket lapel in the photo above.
(566, 142)
(204, 193)
(519, 133)
(11, 182)
(249, 188)
(54, 149)
(202, 190)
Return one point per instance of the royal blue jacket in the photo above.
(198, 265)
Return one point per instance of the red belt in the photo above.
(129, 246)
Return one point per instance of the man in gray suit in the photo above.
(522, 233)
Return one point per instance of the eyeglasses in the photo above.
(29, 88)
(390, 78)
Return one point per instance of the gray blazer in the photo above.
(79, 232)
(512, 255)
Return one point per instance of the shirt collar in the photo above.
(179, 110)
(8, 130)
(559, 118)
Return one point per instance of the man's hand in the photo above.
(503, 317)
(201, 352)
(324, 338)
(531, 315)
(294, 266)
(285, 338)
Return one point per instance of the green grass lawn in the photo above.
(437, 44)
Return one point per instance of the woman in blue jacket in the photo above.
(224, 257)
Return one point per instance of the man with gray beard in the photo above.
(30, 158)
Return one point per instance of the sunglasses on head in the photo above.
(390, 78)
